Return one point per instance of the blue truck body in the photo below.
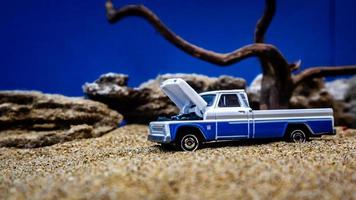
(213, 130)
(226, 116)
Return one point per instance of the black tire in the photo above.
(298, 135)
(188, 142)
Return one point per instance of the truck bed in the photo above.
(272, 123)
(293, 113)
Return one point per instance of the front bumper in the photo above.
(159, 138)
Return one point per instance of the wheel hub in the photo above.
(298, 136)
(189, 142)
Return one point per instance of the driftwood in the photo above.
(278, 81)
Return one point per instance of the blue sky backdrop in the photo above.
(56, 46)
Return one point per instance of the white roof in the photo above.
(222, 91)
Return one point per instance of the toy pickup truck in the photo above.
(225, 115)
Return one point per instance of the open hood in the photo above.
(184, 96)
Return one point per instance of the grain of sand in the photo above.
(124, 165)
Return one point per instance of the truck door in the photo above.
(231, 118)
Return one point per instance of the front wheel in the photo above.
(298, 136)
(189, 142)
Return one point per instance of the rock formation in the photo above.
(32, 119)
(147, 102)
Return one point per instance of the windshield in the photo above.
(209, 99)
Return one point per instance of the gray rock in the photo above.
(110, 78)
(314, 94)
(338, 88)
(350, 94)
(255, 86)
(311, 94)
(253, 92)
(108, 84)
(33, 119)
(147, 102)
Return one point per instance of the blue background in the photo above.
(56, 46)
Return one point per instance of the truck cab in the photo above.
(225, 115)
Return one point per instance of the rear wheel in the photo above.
(189, 142)
(298, 136)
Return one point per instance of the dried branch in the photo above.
(222, 59)
(315, 72)
(277, 81)
(264, 22)
(262, 26)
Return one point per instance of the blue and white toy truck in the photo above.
(225, 115)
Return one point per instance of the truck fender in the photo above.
(300, 124)
(189, 126)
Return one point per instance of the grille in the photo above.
(158, 129)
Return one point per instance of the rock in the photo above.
(311, 94)
(255, 86)
(110, 78)
(108, 84)
(253, 92)
(350, 94)
(200, 83)
(314, 94)
(147, 102)
(33, 119)
(227, 83)
(338, 88)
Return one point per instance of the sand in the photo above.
(123, 165)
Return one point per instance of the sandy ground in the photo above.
(123, 165)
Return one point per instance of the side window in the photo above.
(229, 100)
(243, 97)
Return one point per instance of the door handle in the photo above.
(241, 111)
